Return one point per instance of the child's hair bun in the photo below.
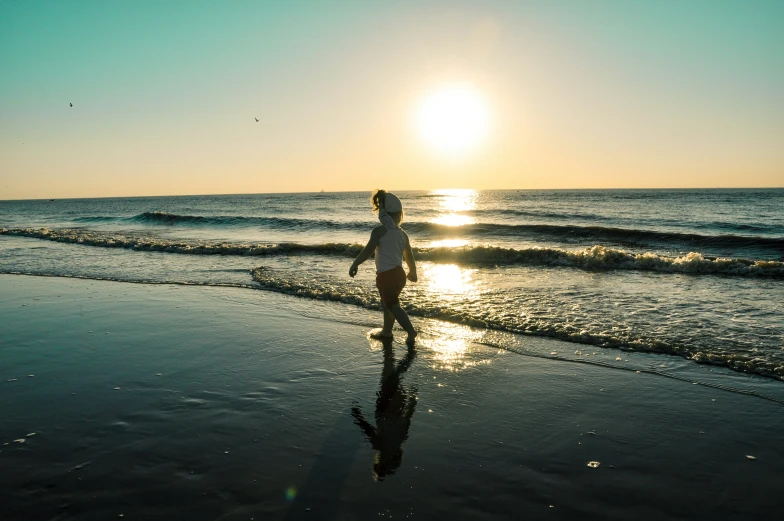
(377, 197)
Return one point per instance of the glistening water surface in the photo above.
(694, 273)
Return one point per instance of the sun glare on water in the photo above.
(452, 120)
(451, 203)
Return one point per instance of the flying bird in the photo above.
(257, 119)
(71, 104)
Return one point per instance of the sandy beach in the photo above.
(181, 402)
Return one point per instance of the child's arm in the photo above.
(408, 256)
(367, 251)
(360, 420)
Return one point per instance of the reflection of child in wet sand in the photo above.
(394, 409)
(391, 245)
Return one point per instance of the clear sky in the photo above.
(576, 94)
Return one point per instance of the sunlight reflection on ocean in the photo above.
(692, 273)
(454, 348)
(453, 204)
(449, 279)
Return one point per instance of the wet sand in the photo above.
(184, 402)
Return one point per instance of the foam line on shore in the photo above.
(506, 346)
(360, 296)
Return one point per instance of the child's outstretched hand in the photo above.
(412, 276)
(352, 270)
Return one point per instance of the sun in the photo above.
(452, 120)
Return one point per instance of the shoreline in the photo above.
(621, 348)
(205, 402)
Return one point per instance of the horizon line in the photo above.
(402, 191)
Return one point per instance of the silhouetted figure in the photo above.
(394, 409)
(391, 246)
(71, 104)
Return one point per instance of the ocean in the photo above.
(693, 274)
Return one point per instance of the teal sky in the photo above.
(581, 94)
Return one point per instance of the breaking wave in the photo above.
(592, 258)
(603, 233)
(233, 220)
(170, 219)
(480, 229)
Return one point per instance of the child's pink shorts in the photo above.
(390, 283)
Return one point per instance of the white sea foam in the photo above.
(651, 313)
(594, 258)
(483, 313)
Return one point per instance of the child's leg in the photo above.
(402, 318)
(390, 284)
(389, 321)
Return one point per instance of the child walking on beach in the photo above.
(391, 246)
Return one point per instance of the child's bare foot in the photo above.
(381, 335)
(411, 338)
